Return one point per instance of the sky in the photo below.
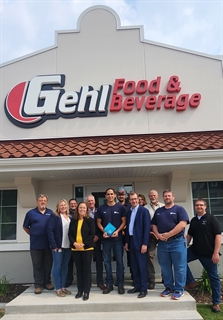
(27, 26)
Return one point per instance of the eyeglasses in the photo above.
(199, 205)
(121, 193)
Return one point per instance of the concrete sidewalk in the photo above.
(100, 306)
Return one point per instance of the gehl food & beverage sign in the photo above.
(31, 103)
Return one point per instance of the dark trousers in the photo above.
(151, 255)
(99, 262)
(139, 263)
(83, 260)
(42, 261)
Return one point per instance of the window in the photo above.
(8, 214)
(79, 194)
(212, 193)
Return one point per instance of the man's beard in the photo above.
(168, 201)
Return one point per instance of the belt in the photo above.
(173, 238)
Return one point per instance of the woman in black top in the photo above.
(81, 235)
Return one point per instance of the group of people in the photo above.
(80, 232)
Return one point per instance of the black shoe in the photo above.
(78, 295)
(108, 289)
(133, 290)
(151, 286)
(101, 286)
(142, 294)
(121, 290)
(86, 296)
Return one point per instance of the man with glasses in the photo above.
(35, 225)
(137, 241)
(206, 234)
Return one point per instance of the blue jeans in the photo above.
(117, 247)
(60, 267)
(172, 257)
(212, 271)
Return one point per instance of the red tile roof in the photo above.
(140, 143)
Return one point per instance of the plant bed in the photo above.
(12, 291)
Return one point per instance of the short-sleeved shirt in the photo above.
(166, 219)
(113, 215)
(37, 223)
(204, 231)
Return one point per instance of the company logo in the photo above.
(31, 103)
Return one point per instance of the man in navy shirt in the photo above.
(169, 224)
(115, 214)
(206, 233)
(35, 225)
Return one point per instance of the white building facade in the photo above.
(101, 108)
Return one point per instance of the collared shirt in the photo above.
(132, 219)
(152, 208)
(92, 212)
(37, 222)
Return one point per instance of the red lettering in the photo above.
(170, 102)
(154, 86)
(150, 103)
(129, 88)
(173, 84)
(128, 104)
(195, 100)
(182, 102)
(159, 101)
(139, 102)
(118, 85)
(116, 103)
(141, 87)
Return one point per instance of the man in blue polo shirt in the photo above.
(169, 224)
(35, 225)
(115, 214)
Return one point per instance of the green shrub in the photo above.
(204, 283)
(4, 288)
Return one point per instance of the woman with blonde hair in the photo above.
(58, 226)
(81, 235)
